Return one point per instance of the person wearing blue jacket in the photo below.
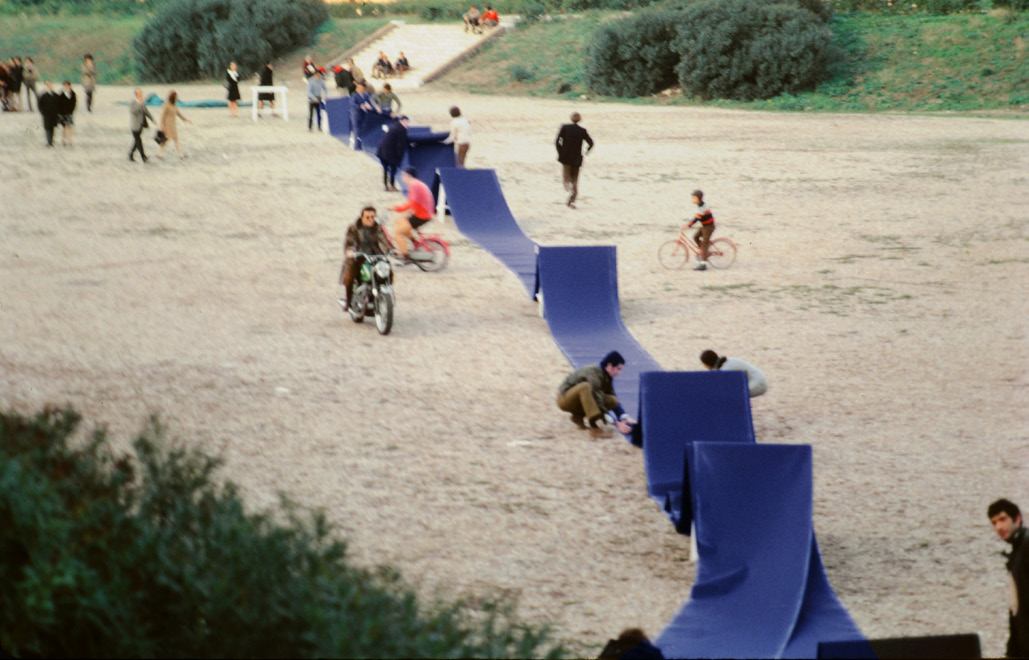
(391, 152)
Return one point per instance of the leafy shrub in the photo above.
(733, 49)
(1017, 5)
(145, 555)
(909, 6)
(520, 73)
(192, 39)
(634, 56)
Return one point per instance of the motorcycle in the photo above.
(373, 294)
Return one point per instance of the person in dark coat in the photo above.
(66, 101)
(48, 107)
(344, 79)
(267, 80)
(232, 84)
(391, 152)
(569, 154)
(1006, 518)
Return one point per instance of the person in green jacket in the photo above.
(588, 394)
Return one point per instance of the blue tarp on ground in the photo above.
(481, 213)
(579, 286)
(677, 408)
(760, 590)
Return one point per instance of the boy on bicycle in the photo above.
(707, 227)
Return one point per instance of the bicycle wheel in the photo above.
(721, 253)
(673, 255)
(432, 257)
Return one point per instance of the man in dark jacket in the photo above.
(588, 393)
(1007, 522)
(66, 101)
(569, 154)
(365, 235)
(344, 80)
(391, 152)
(48, 107)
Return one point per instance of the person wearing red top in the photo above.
(707, 227)
(415, 212)
(489, 17)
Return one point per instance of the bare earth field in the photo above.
(881, 285)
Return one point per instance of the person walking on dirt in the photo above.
(588, 394)
(569, 154)
(460, 135)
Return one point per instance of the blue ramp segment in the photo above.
(580, 304)
(759, 591)
(337, 110)
(677, 408)
(481, 213)
(428, 155)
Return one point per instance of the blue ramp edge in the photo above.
(761, 590)
(677, 408)
(481, 213)
(580, 304)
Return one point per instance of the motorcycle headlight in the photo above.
(382, 270)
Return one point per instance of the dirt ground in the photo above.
(881, 286)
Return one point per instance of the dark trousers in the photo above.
(49, 128)
(137, 144)
(89, 100)
(703, 238)
(570, 173)
(314, 110)
(30, 91)
(389, 173)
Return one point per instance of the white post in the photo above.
(281, 90)
(441, 203)
(694, 554)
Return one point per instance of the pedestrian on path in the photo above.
(88, 80)
(569, 154)
(460, 135)
(138, 116)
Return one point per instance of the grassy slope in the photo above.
(914, 63)
(57, 43)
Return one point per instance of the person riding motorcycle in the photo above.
(366, 236)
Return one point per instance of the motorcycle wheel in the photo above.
(434, 258)
(384, 314)
(356, 308)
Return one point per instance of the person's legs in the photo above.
(177, 149)
(137, 145)
(579, 401)
(573, 184)
(49, 128)
(89, 100)
(392, 176)
(30, 91)
(312, 108)
(462, 153)
(402, 231)
(346, 278)
(705, 235)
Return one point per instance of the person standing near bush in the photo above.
(88, 79)
(569, 154)
(138, 116)
(267, 80)
(707, 227)
(316, 91)
(29, 78)
(460, 135)
(48, 108)
(169, 114)
(66, 113)
(232, 84)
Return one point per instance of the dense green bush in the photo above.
(145, 555)
(634, 56)
(192, 39)
(1017, 5)
(734, 49)
(901, 7)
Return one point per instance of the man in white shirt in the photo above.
(460, 134)
(756, 382)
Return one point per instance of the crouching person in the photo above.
(365, 236)
(588, 394)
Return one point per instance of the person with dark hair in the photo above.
(169, 113)
(88, 79)
(471, 20)
(415, 212)
(16, 73)
(391, 151)
(1006, 518)
(460, 134)
(382, 66)
(267, 80)
(66, 113)
(707, 227)
(30, 76)
(401, 65)
(489, 18)
(367, 236)
(48, 108)
(588, 394)
(316, 92)
(387, 102)
(569, 154)
(232, 84)
(138, 115)
(632, 644)
(756, 382)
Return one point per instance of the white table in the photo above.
(278, 89)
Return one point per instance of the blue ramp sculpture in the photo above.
(580, 304)
(760, 590)
(481, 213)
(337, 111)
(677, 408)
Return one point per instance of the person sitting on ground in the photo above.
(471, 20)
(385, 100)
(382, 67)
(588, 394)
(401, 65)
(707, 227)
(415, 212)
(364, 235)
(489, 17)
(756, 383)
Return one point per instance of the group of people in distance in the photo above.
(383, 68)
(57, 107)
(15, 76)
(475, 21)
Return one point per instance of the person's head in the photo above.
(387, 87)
(455, 111)
(88, 58)
(698, 197)
(404, 119)
(268, 65)
(576, 117)
(308, 60)
(489, 8)
(408, 175)
(16, 60)
(1005, 517)
(350, 61)
(139, 94)
(368, 216)
(401, 53)
(67, 85)
(709, 358)
(173, 97)
(613, 363)
(49, 85)
(317, 73)
(232, 65)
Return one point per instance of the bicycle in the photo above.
(721, 252)
(430, 252)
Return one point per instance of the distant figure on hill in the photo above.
(490, 18)
(401, 65)
(460, 135)
(66, 113)
(309, 68)
(232, 84)
(267, 80)
(588, 393)
(569, 154)
(756, 382)
(138, 116)
(471, 20)
(1006, 518)
(88, 79)
(49, 106)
